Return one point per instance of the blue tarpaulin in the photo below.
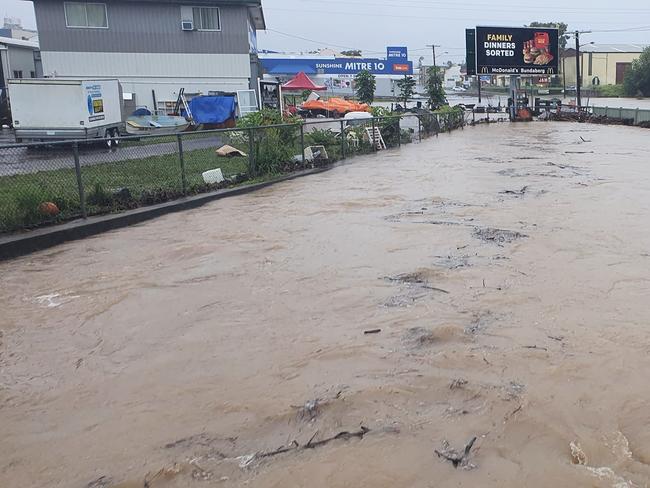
(213, 110)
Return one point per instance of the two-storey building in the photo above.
(154, 48)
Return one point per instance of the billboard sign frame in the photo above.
(524, 51)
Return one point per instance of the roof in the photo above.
(302, 82)
(613, 48)
(9, 41)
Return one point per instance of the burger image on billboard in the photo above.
(536, 50)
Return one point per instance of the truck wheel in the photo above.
(108, 138)
(111, 138)
(116, 137)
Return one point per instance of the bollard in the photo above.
(251, 157)
(302, 144)
(342, 140)
(80, 185)
(399, 132)
(182, 161)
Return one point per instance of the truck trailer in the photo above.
(51, 109)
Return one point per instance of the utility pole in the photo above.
(433, 49)
(578, 74)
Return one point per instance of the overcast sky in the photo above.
(373, 24)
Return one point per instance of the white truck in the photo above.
(55, 109)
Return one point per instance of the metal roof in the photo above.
(613, 48)
(9, 41)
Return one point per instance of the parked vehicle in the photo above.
(55, 109)
(458, 89)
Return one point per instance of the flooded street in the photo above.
(505, 266)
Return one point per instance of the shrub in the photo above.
(99, 197)
(271, 152)
(319, 137)
(613, 91)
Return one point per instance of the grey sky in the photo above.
(373, 24)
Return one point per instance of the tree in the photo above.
(365, 85)
(637, 77)
(560, 26)
(355, 53)
(435, 91)
(406, 88)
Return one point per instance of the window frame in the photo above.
(199, 28)
(18, 74)
(85, 4)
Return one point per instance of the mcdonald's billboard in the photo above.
(515, 51)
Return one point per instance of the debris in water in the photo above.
(372, 331)
(453, 262)
(513, 390)
(199, 473)
(498, 236)
(247, 460)
(535, 347)
(515, 411)
(518, 193)
(101, 482)
(457, 383)
(310, 409)
(419, 337)
(454, 457)
(163, 473)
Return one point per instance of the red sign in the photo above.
(541, 40)
(403, 68)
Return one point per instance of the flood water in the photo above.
(506, 266)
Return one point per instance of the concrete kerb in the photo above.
(15, 245)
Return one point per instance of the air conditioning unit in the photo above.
(187, 25)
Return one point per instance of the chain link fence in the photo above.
(47, 183)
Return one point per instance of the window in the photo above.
(18, 73)
(206, 18)
(590, 69)
(88, 15)
(32, 74)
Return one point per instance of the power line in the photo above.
(322, 43)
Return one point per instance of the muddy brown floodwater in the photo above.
(508, 268)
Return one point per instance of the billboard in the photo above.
(336, 66)
(399, 53)
(517, 51)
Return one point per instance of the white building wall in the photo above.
(165, 73)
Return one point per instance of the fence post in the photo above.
(251, 157)
(399, 132)
(374, 141)
(182, 161)
(302, 144)
(342, 140)
(80, 184)
(419, 129)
